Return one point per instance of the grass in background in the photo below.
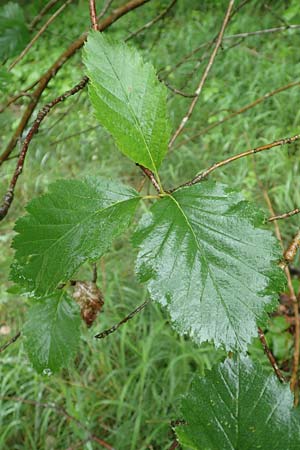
(125, 388)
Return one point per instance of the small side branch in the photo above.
(293, 297)
(252, 151)
(39, 33)
(205, 74)
(270, 356)
(11, 341)
(151, 177)
(151, 22)
(93, 15)
(290, 253)
(285, 215)
(8, 198)
(107, 332)
(44, 11)
(104, 9)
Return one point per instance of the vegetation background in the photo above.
(125, 388)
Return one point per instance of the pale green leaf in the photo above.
(52, 332)
(207, 260)
(74, 222)
(14, 33)
(236, 407)
(128, 99)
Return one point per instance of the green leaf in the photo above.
(209, 262)
(5, 79)
(52, 332)
(236, 407)
(128, 99)
(74, 222)
(14, 33)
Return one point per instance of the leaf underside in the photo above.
(52, 332)
(206, 259)
(74, 222)
(128, 99)
(236, 407)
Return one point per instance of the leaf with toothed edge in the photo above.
(208, 261)
(237, 407)
(52, 332)
(76, 221)
(128, 99)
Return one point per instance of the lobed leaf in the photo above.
(52, 332)
(128, 99)
(74, 222)
(236, 407)
(207, 260)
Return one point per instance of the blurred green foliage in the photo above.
(125, 389)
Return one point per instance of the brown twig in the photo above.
(239, 111)
(107, 332)
(151, 177)
(285, 215)
(93, 15)
(56, 66)
(290, 252)
(38, 34)
(270, 356)
(44, 11)
(104, 9)
(60, 410)
(8, 198)
(296, 355)
(151, 22)
(178, 91)
(226, 161)
(11, 341)
(205, 74)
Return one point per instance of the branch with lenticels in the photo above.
(201, 176)
(57, 65)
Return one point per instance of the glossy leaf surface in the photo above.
(75, 221)
(237, 407)
(52, 332)
(128, 99)
(206, 259)
(14, 33)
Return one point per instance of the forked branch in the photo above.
(8, 198)
(57, 65)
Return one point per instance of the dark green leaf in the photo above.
(236, 407)
(75, 221)
(128, 99)
(207, 260)
(14, 33)
(52, 332)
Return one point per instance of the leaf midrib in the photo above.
(132, 112)
(80, 224)
(202, 251)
